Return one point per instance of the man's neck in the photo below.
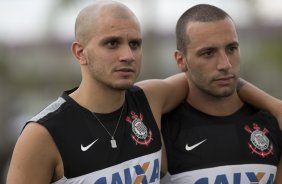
(215, 106)
(98, 100)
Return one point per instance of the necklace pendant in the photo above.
(113, 143)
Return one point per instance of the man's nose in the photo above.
(223, 62)
(127, 54)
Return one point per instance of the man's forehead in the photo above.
(106, 9)
(211, 31)
(109, 16)
(118, 35)
(116, 20)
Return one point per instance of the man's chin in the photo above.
(123, 86)
(225, 93)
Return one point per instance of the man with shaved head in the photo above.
(107, 129)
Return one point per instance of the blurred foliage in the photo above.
(271, 51)
(3, 62)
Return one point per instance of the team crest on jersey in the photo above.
(259, 142)
(141, 135)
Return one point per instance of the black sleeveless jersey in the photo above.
(85, 146)
(244, 147)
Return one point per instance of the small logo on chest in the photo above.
(259, 142)
(85, 148)
(141, 135)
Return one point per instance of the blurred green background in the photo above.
(36, 64)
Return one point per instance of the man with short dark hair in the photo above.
(214, 137)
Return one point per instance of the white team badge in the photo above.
(259, 142)
(141, 135)
(139, 129)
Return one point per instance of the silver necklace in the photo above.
(113, 141)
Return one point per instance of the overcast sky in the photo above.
(29, 20)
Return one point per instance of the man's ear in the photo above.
(180, 60)
(78, 52)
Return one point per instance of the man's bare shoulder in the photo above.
(35, 156)
(34, 133)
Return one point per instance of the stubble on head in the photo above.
(88, 19)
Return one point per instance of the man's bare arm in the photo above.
(34, 157)
(165, 94)
(257, 97)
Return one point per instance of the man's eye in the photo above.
(112, 44)
(232, 49)
(134, 44)
(207, 53)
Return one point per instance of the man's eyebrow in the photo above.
(206, 48)
(117, 38)
(109, 38)
(136, 40)
(235, 43)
